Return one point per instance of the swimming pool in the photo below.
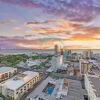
(49, 88)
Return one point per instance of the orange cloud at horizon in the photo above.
(74, 35)
(49, 43)
(17, 28)
(75, 30)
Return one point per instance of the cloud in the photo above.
(25, 3)
(46, 43)
(49, 43)
(69, 29)
(77, 10)
(53, 26)
(17, 28)
(37, 43)
(95, 22)
(7, 21)
(77, 20)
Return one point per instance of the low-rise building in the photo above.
(19, 84)
(7, 72)
(31, 62)
(57, 89)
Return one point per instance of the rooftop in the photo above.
(33, 62)
(6, 69)
(74, 90)
(95, 82)
(19, 80)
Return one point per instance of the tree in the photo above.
(9, 98)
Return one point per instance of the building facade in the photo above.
(92, 85)
(20, 84)
(84, 66)
(7, 72)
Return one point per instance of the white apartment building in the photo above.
(19, 84)
(92, 85)
(7, 72)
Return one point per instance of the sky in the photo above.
(40, 24)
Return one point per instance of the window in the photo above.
(2, 76)
(24, 87)
(21, 90)
(33, 81)
(30, 83)
(16, 92)
(6, 75)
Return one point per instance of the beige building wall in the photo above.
(7, 74)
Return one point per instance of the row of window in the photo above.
(28, 85)
(6, 75)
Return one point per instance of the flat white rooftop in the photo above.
(19, 80)
(6, 69)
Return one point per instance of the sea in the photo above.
(39, 51)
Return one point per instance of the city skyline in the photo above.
(40, 24)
